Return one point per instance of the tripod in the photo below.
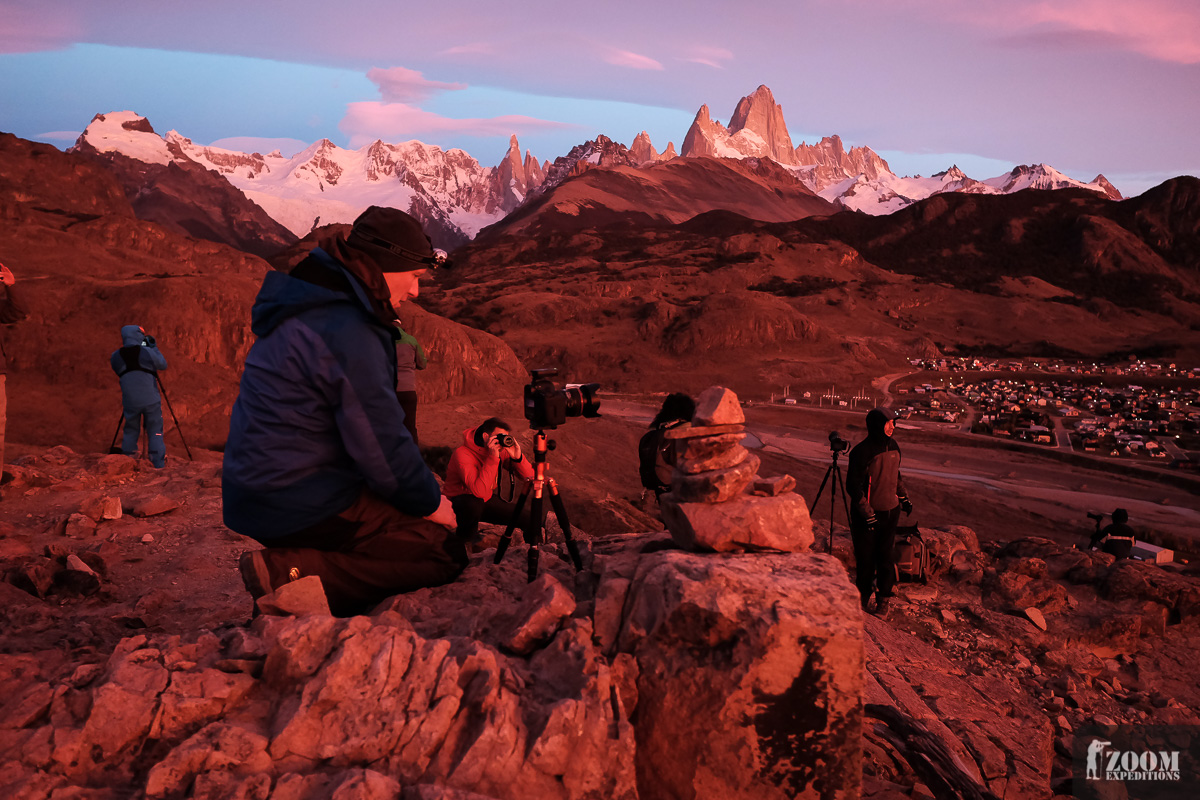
(534, 528)
(112, 448)
(834, 470)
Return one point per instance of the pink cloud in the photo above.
(709, 56)
(473, 49)
(394, 122)
(625, 58)
(1166, 30)
(401, 85)
(26, 29)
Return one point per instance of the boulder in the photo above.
(717, 405)
(218, 746)
(716, 486)
(749, 686)
(79, 526)
(543, 608)
(101, 507)
(297, 598)
(153, 506)
(35, 576)
(772, 487)
(707, 453)
(748, 523)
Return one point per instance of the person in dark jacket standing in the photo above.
(319, 466)
(876, 497)
(12, 309)
(137, 364)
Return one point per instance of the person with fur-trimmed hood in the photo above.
(319, 466)
(876, 498)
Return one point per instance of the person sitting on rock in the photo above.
(319, 466)
(485, 475)
(137, 364)
(1116, 538)
(876, 497)
(656, 455)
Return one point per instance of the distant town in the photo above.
(1136, 409)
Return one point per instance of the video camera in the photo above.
(549, 407)
(836, 443)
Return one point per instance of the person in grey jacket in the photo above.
(137, 364)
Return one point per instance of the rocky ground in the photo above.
(131, 666)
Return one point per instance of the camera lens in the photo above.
(581, 400)
(505, 440)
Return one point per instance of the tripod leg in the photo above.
(560, 511)
(820, 489)
(533, 533)
(506, 539)
(163, 390)
(120, 425)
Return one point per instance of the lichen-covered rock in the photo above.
(748, 688)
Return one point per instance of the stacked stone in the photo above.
(708, 507)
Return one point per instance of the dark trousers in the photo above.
(471, 510)
(408, 404)
(366, 554)
(873, 553)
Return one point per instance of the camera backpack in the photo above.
(910, 555)
(648, 448)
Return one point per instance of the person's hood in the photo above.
(877, 418)
(283, 296)
(131, 335)
(469, 440)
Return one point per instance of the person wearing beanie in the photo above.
(319, 467)
(1116, 538)
(876, 498)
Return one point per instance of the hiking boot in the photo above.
(866, 605)
(255, 576)
(882, 606)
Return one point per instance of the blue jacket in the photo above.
(135, 363)
(316, 420)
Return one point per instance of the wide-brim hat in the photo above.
(395, 241)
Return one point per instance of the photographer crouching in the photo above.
(876, 498)
(486, 474)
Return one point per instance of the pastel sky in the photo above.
(1087, 86)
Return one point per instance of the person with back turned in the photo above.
(876, 498)
(319, 466)
(137, 364)
(1117, 538)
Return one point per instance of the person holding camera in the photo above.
(137, 364)
(12, 309)
(876, 498)
(487, 473)
(319, 466)
(1117, 538)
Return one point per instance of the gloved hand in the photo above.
(906, 504)
(871, 521)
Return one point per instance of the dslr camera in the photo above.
(548, 407)
(504, 440)
(836, 443)
(1096, 515)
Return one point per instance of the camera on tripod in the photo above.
(836, 443)
(548, 407)
(1098, 516)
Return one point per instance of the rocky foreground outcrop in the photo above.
(659, 674)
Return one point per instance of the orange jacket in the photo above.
(476, 470)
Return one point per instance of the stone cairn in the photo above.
(717, 501)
